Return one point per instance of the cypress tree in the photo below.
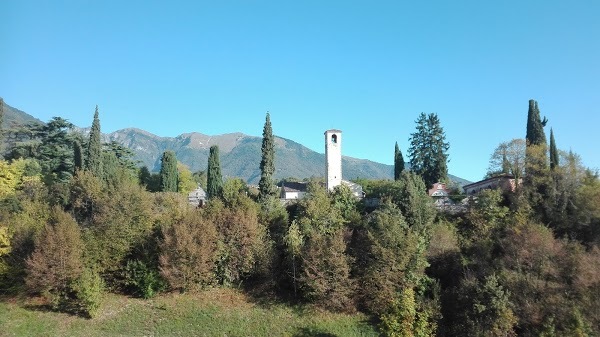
(266, 186)
(535, 125)
(398, 162)
(168, 172)
(553, 151)
(214, 184)
(77, 155)
(93, 161)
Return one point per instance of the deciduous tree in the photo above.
(56, 261)
(508, 158)
(189, 252)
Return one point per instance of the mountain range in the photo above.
(239, 153)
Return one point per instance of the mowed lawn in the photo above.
(217, 312)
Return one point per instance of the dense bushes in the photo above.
(492, 271)
(189, 252)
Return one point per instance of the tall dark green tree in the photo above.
(214, 179)
(266, 186)
(51, 144)
(428, 150)
(77, 155)
(398, 162)
(553, 151)
(168, 172)
(93, 159)
(535, 125)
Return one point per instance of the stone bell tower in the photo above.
(333, 158)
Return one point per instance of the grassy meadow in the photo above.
(217, 312)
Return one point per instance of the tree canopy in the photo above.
(168, 172)
(428, 150)
(93, 159)
(398, 162)
(214, 179)
(266, 185)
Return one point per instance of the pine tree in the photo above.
(266, 185)
(535, 125)
(214, 188)
(428, 150)
(553, 151)
(93, 161)
(168, 172)
(398, 162)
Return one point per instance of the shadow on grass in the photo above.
(39, 307)
(63, 309)
(311, 332)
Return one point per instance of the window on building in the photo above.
(334, 139)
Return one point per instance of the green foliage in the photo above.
(537, 183)
(77, 156)
(400, 320)
(93, 156)
(486, 214)
(88, 289)
(316, 246)
(200, 178)
(487, 309)
(346, 203)
(168, 172)
(235, 191)
(144, 177)
(415, 204)
(385, 250)
(110, 169)
(535, 126)
(5, 248)
(51, 144)
(428, 150)
(124, 155)
(185, 180)
(553, 152)
(15, 173)
(143, 280)
(242, 239)
(266, 186)
(508, 158)
(214, 185)
(215, 312)
(121, 223)
(398, 162)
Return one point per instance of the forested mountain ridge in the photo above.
(15, 117)
(240, 153)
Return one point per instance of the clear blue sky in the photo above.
(365, 67)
